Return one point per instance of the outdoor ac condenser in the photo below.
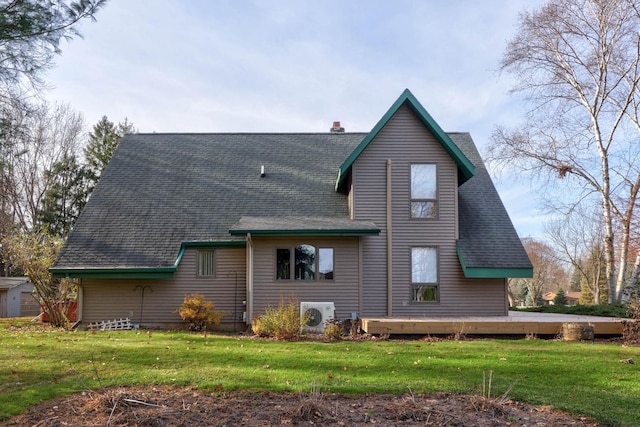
(319, 314)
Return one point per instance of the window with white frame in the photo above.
(424, 274)
(424, 191)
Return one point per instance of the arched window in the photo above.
(305, 262)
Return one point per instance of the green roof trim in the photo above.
(465, 167)
(141, 272)
(215, 244)
(308, 232)
(493, 272)
(114, 273)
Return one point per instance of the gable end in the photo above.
(466, 169)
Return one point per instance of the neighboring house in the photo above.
(401, 221)
(573, 298)
(16, 298)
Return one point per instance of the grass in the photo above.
(582, 378)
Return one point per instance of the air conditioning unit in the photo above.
(319, 314)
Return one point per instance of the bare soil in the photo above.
(174, 406)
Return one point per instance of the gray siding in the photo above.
(105, 299)
(343, 290)
(404, 140)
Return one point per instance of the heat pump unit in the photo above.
(318, 313)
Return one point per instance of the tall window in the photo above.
(424, 274)
(424, 191)
(206, 263)
(305, 259)
(309, 262)
(325, 264)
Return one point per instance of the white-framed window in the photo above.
(424, 274)
(304, 262)
(206, 263)
(424, 191)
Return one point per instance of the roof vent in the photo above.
(262, 174)
(336, 128)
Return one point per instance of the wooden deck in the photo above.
(516, 323)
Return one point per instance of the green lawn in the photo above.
(583, 378)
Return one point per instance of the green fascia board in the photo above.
(497, 273)
(140, 272)
(211, 244)
(492, 272)
(342, 232)
(467, 169)
(113, 273)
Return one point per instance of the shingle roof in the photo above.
(488, 241)
(306, 225)
(161, 191)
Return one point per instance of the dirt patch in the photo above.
(172, 406)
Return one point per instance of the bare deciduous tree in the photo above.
(578, 64)
(578, 238)
(41, 139)
(548, 272)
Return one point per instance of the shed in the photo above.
(16, 297)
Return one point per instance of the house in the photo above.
(573, 298)
(401, 221)
(16, 298)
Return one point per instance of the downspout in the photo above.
(389, 244)
(80, 301)
(79, 297)
(249, 279)
(360, 269)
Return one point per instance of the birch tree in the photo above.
(577, 64)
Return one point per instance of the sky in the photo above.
(298, 66)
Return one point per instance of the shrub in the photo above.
(281, 323)
(198, 312)
(604, 310)
(333, 331)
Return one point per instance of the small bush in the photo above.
(198, 312)
(333, 331)
(281, 323)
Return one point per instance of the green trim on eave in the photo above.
(492, 273)
(114, 273)
(343, 232)
(140, 272)
(497, 273)
(467, 169)
(209, 244)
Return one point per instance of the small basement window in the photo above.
(206, 263)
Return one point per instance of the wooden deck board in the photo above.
(516, 323)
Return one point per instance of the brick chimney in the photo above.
(336, 128)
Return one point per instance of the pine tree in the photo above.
(560, 298)
(66, 196)
(103, 141)
(575, 282)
